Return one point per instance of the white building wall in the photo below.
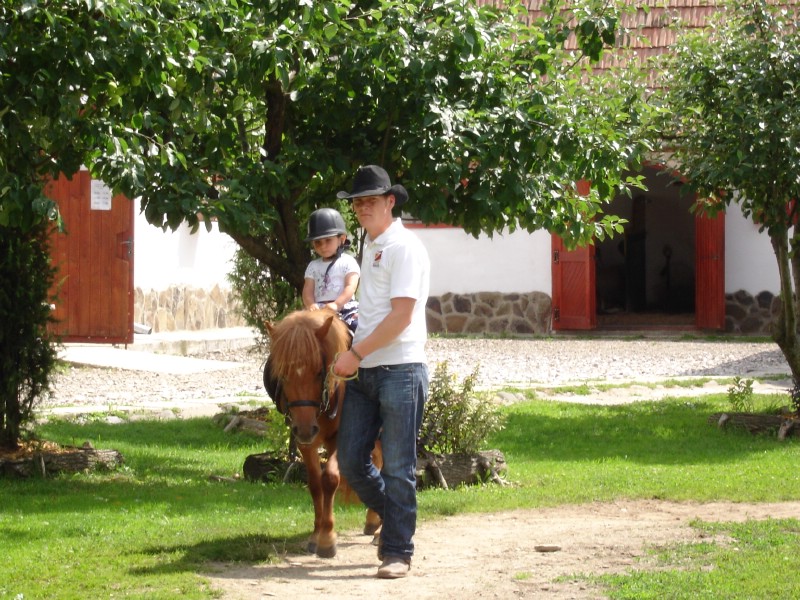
(520, 261)
(516, 262)
(508, 263)
(749, 261)
(166, 258)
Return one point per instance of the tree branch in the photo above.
(277, 265)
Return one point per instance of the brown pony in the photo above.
(298, 378)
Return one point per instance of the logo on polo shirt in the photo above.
(376, 260)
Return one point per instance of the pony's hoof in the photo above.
(311, 548)
(328, 552)
(371, 528)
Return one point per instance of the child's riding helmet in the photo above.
(325, 222)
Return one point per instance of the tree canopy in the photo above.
(732, 123)
(255, 114)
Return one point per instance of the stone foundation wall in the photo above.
(496, 313)
(182, 308)
(186, 308)
(489, 312)
(751, 315)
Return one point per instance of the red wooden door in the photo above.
(574, 300)
(94, 283)
(710, 271)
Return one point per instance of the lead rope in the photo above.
(352, 377)
(326, 392)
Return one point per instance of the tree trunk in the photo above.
(785, 328)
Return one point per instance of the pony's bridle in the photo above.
(324, 405)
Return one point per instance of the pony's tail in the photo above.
(348, 494)
(373, 522)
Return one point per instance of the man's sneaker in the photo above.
(394, 567)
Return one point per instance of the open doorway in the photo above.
(645, 277)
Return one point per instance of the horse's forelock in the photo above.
(294, 342)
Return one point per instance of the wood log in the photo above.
(431, 466)
(269, 468)
(241, 422)
(451, 470)
(446, 471)
(72, 460)
(786, 429)
(232, 424)
(757, 423)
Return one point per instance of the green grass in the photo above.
(758, 561)
(151, 528)
(588, 387)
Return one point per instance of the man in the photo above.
(388, 352)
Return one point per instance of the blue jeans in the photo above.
(388, 399)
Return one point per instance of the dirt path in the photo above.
(481, 556)
(495, 555)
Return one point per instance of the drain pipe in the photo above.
(140, 328)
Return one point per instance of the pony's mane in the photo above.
(294, 343)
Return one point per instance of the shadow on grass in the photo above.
(166, 464)
(249, 549)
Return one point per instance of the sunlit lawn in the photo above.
(152, 527)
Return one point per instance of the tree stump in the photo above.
(783, 425)
(446, 471)
(251, 422)
(67, 459)
(451, 470)
(267, 467)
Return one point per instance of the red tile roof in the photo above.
(650, 25)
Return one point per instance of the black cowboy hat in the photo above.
(372, 180)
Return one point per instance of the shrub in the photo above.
(794, 394)
(27, 347)
(457, 420)
(740, 395)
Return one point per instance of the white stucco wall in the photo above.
(167, 258)
(509, 263)
(749, 261)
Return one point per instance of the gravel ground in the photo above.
(536, 363)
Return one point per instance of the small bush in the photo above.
(795, 396)
(740, 395)
(28, 353)
(456, 420)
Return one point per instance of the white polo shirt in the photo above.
(394, 265)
